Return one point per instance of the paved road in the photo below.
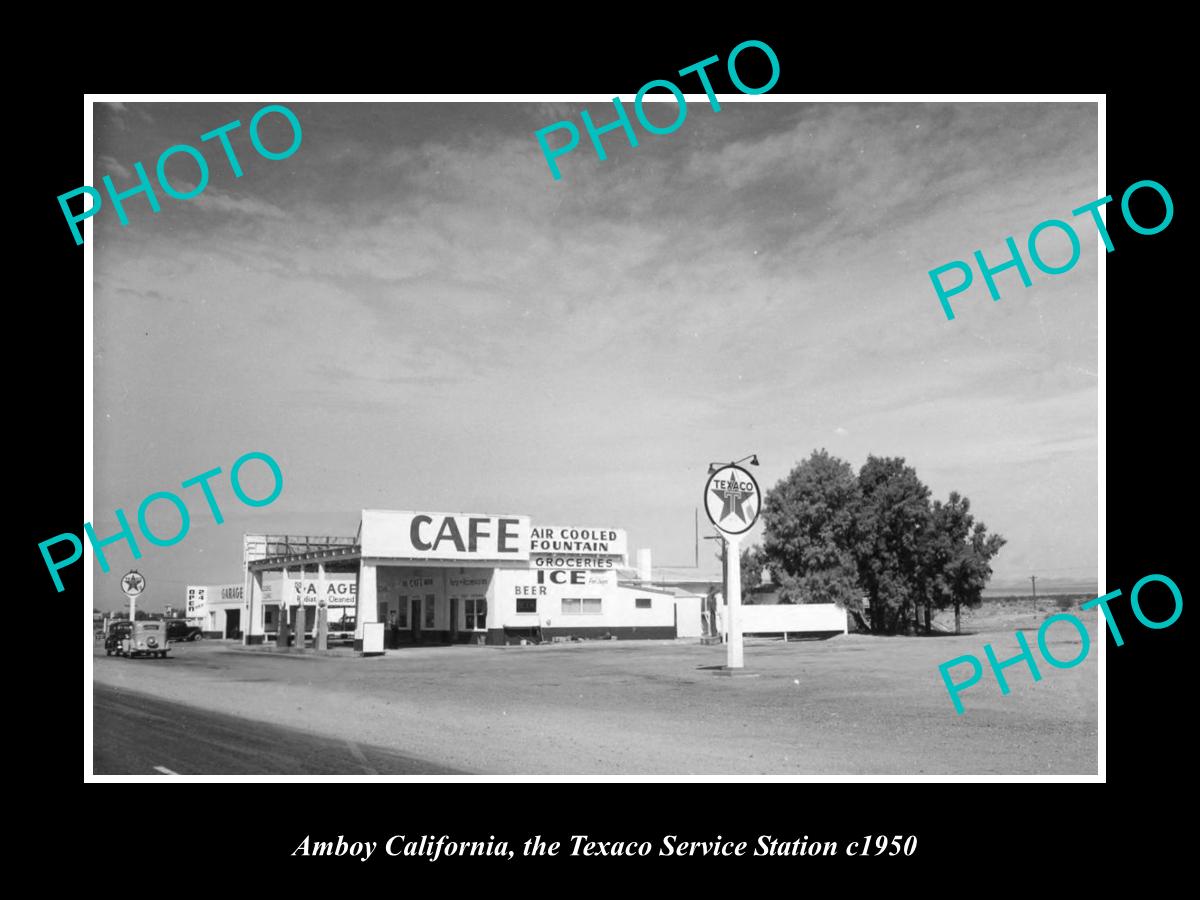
(135, 734)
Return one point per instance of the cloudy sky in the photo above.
(411, 313)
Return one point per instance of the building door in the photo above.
(233, 623)
(453, 619)
(415, 609)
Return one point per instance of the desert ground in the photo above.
(853, 704)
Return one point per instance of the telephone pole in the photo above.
(1033, 581)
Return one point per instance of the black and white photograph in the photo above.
(472, 437)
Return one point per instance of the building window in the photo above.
(527, 604)
(402, 612)
(588, 606)
(429, 607)
(268, 618)
(642, 602)
(475, 614)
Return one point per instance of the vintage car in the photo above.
(180, 630)
(117, 632)
(146, 639)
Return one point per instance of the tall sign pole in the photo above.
(733, 597)
(732, 501)
(133, 583)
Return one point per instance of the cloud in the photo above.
(414, 275)
(112, 167)
(215, 201)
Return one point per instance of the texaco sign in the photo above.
(133, 583)
(732, 499)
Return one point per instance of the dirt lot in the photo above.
(1008, 613)
(850, 705)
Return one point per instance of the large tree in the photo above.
(808, 533)
(891, 518)
(960, 552)
(832, 536)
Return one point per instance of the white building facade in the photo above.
(216, 609)
(432, 577)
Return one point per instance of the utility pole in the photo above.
(1033, 581)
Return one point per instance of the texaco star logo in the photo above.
(133, 583)
(732, 495)
(731, 499)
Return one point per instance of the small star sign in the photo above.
(133, 583)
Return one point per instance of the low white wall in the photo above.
(789, 617)
(687, 616)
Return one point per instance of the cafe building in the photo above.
(416, 577)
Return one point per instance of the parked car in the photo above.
(146, 639)
(180, 630)
(117, 632)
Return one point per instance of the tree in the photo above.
(752, 567)
(958, 565)
(808, 533)
(830, 536)
(891, 518)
